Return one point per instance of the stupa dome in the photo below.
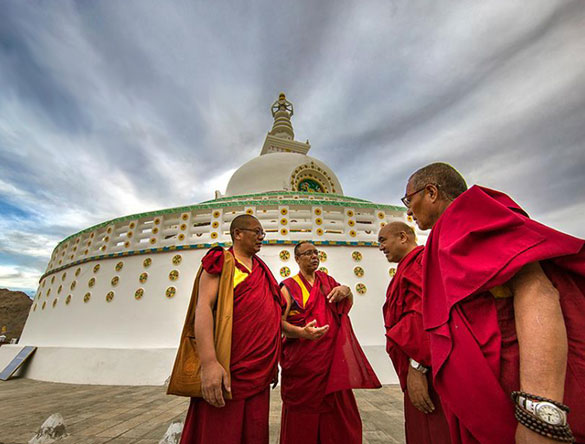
(279, 171)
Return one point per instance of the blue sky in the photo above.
(109, 108)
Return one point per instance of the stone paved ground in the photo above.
(140, 415)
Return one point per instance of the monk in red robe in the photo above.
(255, 347)
(321, 358)
(504, 304)
(407, 343)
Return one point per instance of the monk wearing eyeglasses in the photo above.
(255, 344)
(504, 305)
(322, 360)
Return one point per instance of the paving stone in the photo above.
(141, 415)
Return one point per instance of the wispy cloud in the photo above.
(110, 108)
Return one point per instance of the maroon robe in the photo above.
(256, 338)
(317, 376)
(406, 338)
(480, 242)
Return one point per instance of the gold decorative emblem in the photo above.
(283, 211)
(216, 214)
(358, 271)
(86, 297)
(183, 227)
(174, 275)
(171, 291)
(129, 234)
(283, 221)
(214, 235)
(177, 258)
(68, 299)
(356, 256)
(110, 296)
(126, 244)
(317, 211)
(352, 233)
(250, 211)
(53, 280)
(182, 236)
(380, 215)
(214, 224)
(285, 272)
(349, 213)
(132, 225)
(147, 262)
(119, 266)
(115, 281)
(322, 256)
(44, 305)
(392, 272)
(153, 240)
(139, 293)
(409, 218)
(96, 268)
(351, 223)
(283, 231)
(63, 276)
(284, 255)
(185, 216)
(157, 221)
(48, 292)
(73, 284)
(360, 288)
(143, 277)
(155, 230)
(109, 230)
(43, 283)
(91, 282)
(318, 221)
(319, 231)
(55, 302)
(324, 270)
(59, 289)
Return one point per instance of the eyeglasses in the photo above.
(258, 232)
(406, 199)
(309, 253)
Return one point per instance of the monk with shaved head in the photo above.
(407, 343)
(234, 403)
(504, 306)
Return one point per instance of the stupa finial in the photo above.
(282, 111)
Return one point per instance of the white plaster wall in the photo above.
(128, 341)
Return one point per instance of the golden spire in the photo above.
(282, 111)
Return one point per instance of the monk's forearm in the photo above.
(292, 331)
(204, 335)
(542, 336)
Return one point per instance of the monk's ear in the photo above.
(403, 237)
(432, 192)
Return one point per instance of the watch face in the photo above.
(549, 413)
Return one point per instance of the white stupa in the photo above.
(110, 307)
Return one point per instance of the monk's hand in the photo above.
(417, 388)
(527, 436)
(213, 378)
(338, 293)
(312, 332)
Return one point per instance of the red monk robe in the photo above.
(317, 376)
(406, 338)
(479, 243)
(254, 354)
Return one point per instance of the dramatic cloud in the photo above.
(109, 108)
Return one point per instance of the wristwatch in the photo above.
(418, 366)
(545, 411)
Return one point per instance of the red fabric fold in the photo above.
(481, 241)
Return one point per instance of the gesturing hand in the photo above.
(338, 293)
(312, 332)
(213, 377)
(417, 387)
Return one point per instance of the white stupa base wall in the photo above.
(114, 366)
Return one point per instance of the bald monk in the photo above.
(255, 345)
(504, 304)
(322, 360)
(407, 343)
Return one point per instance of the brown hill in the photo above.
(14, 308)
